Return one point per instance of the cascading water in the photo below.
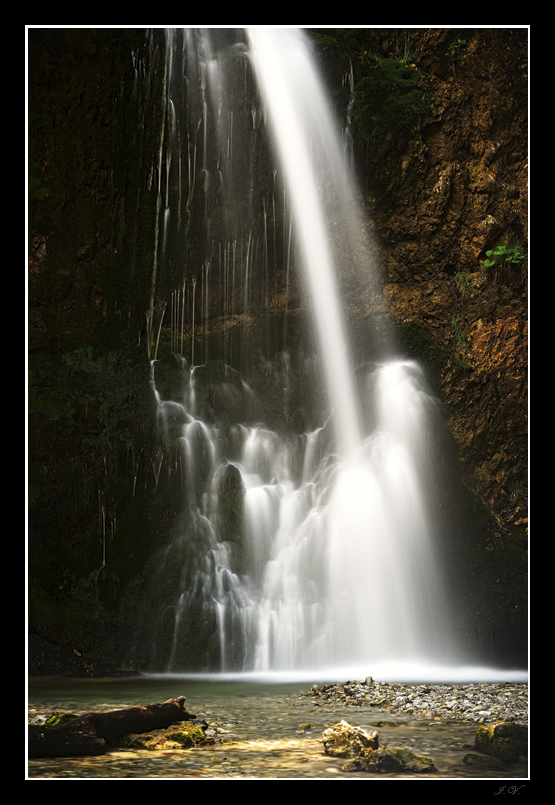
(312, 550)
(301, 122)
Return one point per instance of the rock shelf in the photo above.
(479, 703)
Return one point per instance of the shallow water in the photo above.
(267, 732)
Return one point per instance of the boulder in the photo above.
(504, 740)
(182, 735)
(365, 754)
(483, 762)
(343, 740)
(391, 759)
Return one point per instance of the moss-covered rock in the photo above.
(52, 720)
(391, 760)
(506, 741)
(182, 735)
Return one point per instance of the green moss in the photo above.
(506, 264)
(396, 759)
(404, 755)
(505, 741)
(390, 94)
(418, 343)
(388, 102)
(188, 735)
(53, 720)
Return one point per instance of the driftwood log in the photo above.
(92, 733)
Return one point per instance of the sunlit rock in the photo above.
(343, 740)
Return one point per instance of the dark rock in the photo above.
(483, 762)
(506, 741)
(391, 759)
(92, 733)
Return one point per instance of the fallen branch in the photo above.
(92, 733)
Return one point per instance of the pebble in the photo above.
(479, 703)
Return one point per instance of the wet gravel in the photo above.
(481, 703)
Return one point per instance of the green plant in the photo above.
(502, 264)
(463, 281)
(454, 52)
(454, 49)
(457, 331)
(461, 357)
(408, 54)
(504, 255)
(388, 101)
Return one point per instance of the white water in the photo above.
(340, 569)
(341, 560)
(304, 135)
(352, 576)
(356, 579)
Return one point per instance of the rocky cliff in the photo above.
(438, 126)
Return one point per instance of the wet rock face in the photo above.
(79, 169)
(453, 189)
(459, 181)
(488, 408)
(456, 190)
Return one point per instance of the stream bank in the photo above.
(267, 731)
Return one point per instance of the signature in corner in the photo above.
(512, 789)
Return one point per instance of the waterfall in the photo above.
(300, 118)
(314, 549)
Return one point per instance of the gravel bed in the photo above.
(479, 703)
